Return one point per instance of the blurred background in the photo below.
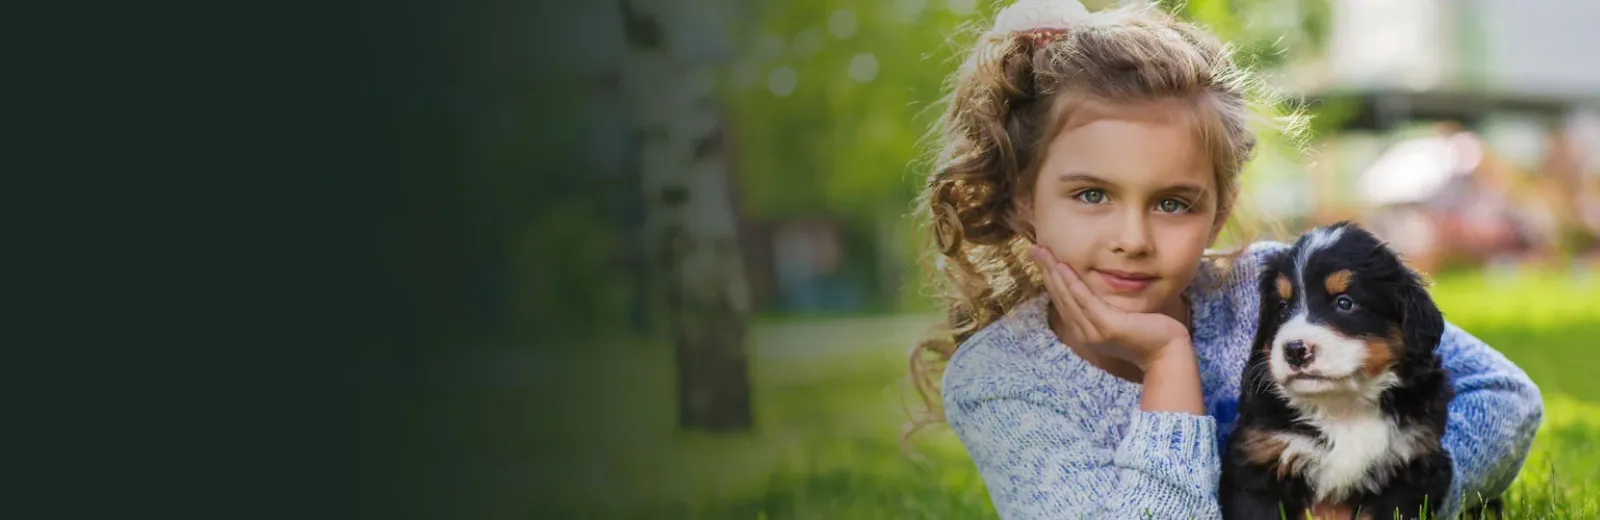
(694, 279)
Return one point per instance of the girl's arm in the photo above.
(1493, 418)
(1030, 445)
(1172, 382)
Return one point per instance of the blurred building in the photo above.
(1467, 128)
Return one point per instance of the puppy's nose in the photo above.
(1297, 354)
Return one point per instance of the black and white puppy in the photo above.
(1343, 399)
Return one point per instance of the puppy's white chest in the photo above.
(1354, 446)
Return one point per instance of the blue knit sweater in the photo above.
(1056, 437)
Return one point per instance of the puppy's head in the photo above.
(1342, 315)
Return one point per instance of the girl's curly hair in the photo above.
(1005, 103)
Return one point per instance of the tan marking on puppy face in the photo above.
(1337, 282)
(1285, 290)
(1381, 353)
(1263, 449)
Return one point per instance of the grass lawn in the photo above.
(829, 416)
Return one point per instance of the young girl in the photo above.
(1092, 364)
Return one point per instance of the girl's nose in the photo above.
(1133, 239)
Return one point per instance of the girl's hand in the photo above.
(1139, 338)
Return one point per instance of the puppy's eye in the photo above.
(1283, 308)
(1344, 303)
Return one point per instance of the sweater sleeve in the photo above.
(1035, 460)
(1492, 421)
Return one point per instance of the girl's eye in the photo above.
(1092, 196)
(1344, 303)
(1172, 206)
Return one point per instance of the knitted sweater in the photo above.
(1056, 437)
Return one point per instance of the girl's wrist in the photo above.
(1172, 381)
(1177, 351)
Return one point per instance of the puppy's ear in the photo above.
(1252, 379)
(1421, 322)
(1267, 291)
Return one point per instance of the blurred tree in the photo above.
(669, 82)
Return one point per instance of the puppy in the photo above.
(1343, 399)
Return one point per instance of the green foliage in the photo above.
(567, 295)
(1268, 34)
(546, 214)
(837, 144)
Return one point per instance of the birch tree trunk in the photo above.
(668, 78)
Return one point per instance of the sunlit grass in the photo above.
(828, 404)
(1546, 322)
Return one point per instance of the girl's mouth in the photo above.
(1125, 282)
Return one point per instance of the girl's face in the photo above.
(1126, 196)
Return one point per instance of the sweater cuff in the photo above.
(1179, 447)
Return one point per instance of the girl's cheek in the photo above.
(1059, 212)
(1187, 233)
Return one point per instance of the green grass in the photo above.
(826, 445)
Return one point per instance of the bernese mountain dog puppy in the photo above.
(1343, 399)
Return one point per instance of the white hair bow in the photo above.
(1029, 15)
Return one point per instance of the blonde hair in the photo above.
(1002, 110)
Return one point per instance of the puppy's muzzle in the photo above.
(1298, 354)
